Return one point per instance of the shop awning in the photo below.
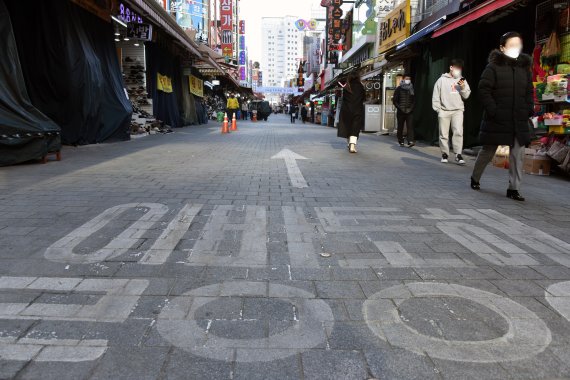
(372, 74)
(159, 16)
(421, 33)
(472, 15)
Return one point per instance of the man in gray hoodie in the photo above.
(449, 93)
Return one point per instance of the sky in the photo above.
(253, 10)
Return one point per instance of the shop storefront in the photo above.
(469, 33)
(392, 31)
(77, 81)
(551, 71)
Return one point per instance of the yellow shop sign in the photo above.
(395, 27)
(163, 83)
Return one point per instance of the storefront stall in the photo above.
(77, 82)
(551, 71)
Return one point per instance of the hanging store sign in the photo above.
(394, 28)
(196, 86)
(242, 59)
(141, 32)
(163, 83)
(127, 15)
(227, 27)
(303, 25)
(192, 14)
(335, 22)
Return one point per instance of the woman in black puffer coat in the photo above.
(505, 90)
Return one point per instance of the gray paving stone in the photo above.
(179, 168)
(183, 365)
(396, 364)
(329, 364)
(287, 368)
(339, 289)
(135, 363)
(53, 370)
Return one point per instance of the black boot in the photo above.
(475, 185)
(514, 194)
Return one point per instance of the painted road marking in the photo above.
(558, 296)
(176, 323)
(252, 249)
(397, 256)
(295, 175)
(120, 297)
(300, 236)
(225, 242)
(62, 250)
(527, 334)
(170, 237)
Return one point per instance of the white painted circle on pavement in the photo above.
(558, 296)
(177, 325)
(527, 334)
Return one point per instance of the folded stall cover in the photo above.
(71, 69)
(25, 133)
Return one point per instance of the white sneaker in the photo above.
(444, 158)
(459, 160)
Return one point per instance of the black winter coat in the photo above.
(403, 100)
(351, 118)
(505, 90)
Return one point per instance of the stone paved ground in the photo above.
(192, 256)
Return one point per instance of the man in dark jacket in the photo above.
(404, 101)
(505, 90)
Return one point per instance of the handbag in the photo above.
(558, 151)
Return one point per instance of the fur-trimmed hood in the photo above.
(497, 57)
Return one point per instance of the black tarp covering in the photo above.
(71, 69)
(25, 133)
(164, 105)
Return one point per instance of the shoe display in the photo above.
(515, 195)
(444, 158)
(459, 159)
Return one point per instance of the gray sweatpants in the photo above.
(453, 119)
(515, 163)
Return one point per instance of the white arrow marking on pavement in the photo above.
(290, 157)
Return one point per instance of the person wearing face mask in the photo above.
(505, 91)
(449, 93)
(404, 101)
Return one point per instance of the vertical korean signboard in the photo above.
(335, 29)
(394, 28)
(227, 27)
(242, 61)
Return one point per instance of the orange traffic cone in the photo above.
(234, 123)
(225, 124)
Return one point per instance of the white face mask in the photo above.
(512, 52)
(456, 73)
(407, 81)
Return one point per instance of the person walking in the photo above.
(303, 112)
(351, 118)
(293, 111)
(244, 110)
(232, 106)
(404, 101)
(449, 94)
(505, 91)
